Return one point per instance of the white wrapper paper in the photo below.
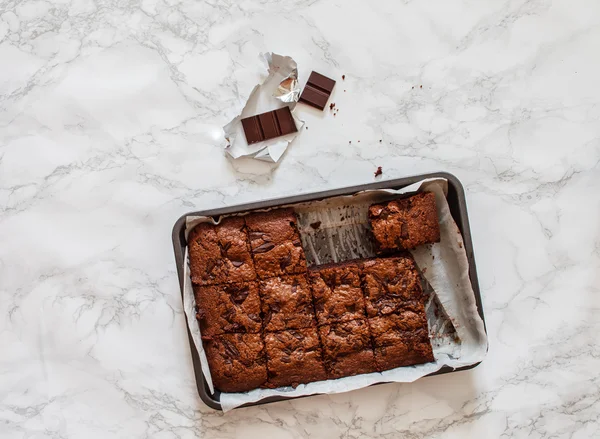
(280, 86)
(455, 327)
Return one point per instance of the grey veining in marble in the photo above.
(110, 129)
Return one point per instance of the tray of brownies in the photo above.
(331, 291)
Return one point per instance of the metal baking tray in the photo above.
(458, 209)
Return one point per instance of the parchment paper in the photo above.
(455, 328)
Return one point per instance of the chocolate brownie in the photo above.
(337, 292)
(405, 224)
(347, 348)
(294, 357)
(228, 308)
(236, 361)
(401, 340)
(275, 243)
(391, 284)
(286, 303)
(219, 253)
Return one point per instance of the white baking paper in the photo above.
(455, 327)
(280, 86)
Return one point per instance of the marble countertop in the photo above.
(110, 129)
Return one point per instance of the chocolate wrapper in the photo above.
(281, 85)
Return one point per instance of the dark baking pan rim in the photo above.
(458, 209)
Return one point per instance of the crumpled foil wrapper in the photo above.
(281, 85)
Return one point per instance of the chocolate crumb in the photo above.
(344, 91)
(344, 78)
(413, 87)
(378, 172)
(380, 140)
(420, 86)
(332, 106)
(316, 225)
(349, 141)
(359, 141)
(306, 127)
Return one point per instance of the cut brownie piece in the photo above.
(391, 284)
(401, 340)
(337, 293)
(219, 254)
(228, 308)
(294, 357)
(275, 243)
(237, 361)
(347, 348)
(405, 224)
(286, 303)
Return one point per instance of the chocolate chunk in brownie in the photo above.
(401, 340)
(405, 224)
(294, 357)
(391, 284)
(237, 361)
(275, 243)
(286, 303)
(219, 254)
(347, 348)
(228, 308)
(337, 292)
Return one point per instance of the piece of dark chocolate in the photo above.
(268, 125)
(317, 90)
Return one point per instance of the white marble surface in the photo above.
(110, 118)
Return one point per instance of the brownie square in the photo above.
(294, 357)
(237, 361)
(220, 253)
(391, 284)
(286, 303)
(401, 340)
(405, 224)
(337, 293)
(347, 348)
(275, 243)
(228, 308)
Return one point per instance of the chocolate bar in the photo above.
(317, 90)
(268, 125)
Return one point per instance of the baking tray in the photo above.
(458, 209)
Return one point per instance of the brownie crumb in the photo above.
(316, 225)
(344, 78)
(378, 172)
